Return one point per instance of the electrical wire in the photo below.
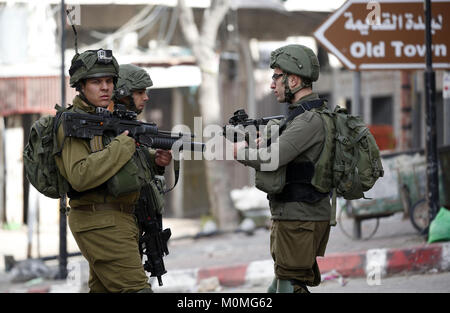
(144, 21)
(172, 25)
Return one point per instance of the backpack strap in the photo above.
(57, 121)
(333, 208)
(305, 106)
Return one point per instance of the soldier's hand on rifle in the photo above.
(163, 157)
(258, 141)
(237, 146)
(126, 133)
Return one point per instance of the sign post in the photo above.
(62, 274)
(430, 95)
(446, 96)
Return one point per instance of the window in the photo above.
(382, 111)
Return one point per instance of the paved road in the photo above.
(419, 283)
(238, 248)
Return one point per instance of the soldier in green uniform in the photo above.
(131, 90)
(102, 221)
(300, 213)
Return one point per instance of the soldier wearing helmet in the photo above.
(300, 213)
(93, 74)
(102, 221)
(131, 88)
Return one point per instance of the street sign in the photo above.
(386, 34)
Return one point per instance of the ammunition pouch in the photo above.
(271, 182)
(156, 196)
(126, 180)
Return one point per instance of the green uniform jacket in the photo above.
(85, 170)
(301, 141)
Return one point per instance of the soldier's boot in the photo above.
(284, 286)
(273, 286)
(299, 286)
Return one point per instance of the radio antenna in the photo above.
(74, 30)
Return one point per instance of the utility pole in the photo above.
(446, 96)
(406, 117)
(62, 202)
(356, 105)
(431, 138)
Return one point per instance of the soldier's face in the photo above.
(99, 90)
(140, 97)
(277, 85)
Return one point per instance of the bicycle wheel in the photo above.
(420, 215)
(360, 230)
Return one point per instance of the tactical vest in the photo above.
(298, 187)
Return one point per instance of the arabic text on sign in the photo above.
(392, 22)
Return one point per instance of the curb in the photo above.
(371, 264)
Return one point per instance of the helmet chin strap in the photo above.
(133, 105)
(83, 97)
(290, 93)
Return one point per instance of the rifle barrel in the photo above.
(175, 135)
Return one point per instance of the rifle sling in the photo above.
(176, 170)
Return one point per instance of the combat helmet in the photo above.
(131, 77)
(93, 63)
(299, 60)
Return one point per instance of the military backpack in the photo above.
(39, 156)
(350, 161)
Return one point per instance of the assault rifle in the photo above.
(152, 238)
(86, 126)
(240, 120)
